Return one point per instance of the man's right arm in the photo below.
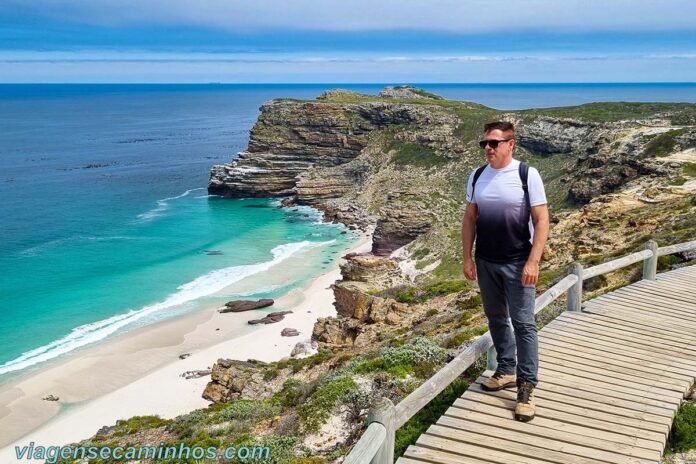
(468, 235)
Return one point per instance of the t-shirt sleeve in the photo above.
(470, 188)
(537, 195)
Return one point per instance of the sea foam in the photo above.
(163, 204)
(204, 285)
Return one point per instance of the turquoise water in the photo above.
(106, 224)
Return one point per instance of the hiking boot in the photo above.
(498, 381)
(524, 410)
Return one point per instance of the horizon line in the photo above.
(356, 83)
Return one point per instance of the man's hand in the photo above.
(469, 269)
(530, 273)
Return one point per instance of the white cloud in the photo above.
(460, 16)
(174, 68)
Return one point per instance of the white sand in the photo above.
(138, 373)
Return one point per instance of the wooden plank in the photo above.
(659, 297)
(419, 455)
(606, 388)
(582, 357)
(613, 345)
(667, 336)
(616, 263)
(628, 345)
(368, 445)
(499, 417)
(652, 307)
(613, 350)
(643, 311)
(661, 302)
(685, 356)
(578, 409)
(611, 376)
(633, 324)
(461, 408)
(636, 334)
(683, 288)
(459, 451)
(598, 403)
(677, 272)
(534, 448)
(673, 277)
(630, 374)
(566, 414)
(641, 340)
(620, 311)
(686, 283)
(551, 443)
(601, 398)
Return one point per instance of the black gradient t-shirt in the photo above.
(504, 228)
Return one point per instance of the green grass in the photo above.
(690, 169)
(318, 408)
(414, 155)
(458, 339)
(684, 113)
(683, 434)
(663, 144)
(425, 292)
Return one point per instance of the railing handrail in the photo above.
(368, 447)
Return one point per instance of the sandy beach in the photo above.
(139, 372)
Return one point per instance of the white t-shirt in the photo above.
(504, 228)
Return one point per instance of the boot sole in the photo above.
(522, 418)
(507, 385)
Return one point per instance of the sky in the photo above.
(347, 41)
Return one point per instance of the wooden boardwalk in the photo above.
(611, 380)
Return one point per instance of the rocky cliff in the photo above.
(396, 164)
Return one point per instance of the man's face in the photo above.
(501, 155)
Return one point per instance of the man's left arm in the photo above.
(540, 218)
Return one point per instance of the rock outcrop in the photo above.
(246, 305)
(231, 380)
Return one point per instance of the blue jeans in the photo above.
(504, 296)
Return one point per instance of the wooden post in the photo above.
(491, 361)
(575, 292)
(650, 264)
(384, 412)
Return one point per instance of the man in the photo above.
(510, 226)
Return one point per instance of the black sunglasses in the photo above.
(492, 142)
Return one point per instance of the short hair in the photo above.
(503, 126)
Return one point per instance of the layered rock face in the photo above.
(549, 136)
(399, 223)
(291, 137)
(287, 139)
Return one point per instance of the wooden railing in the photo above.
(376, 445)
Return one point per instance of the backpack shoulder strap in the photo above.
(524, 175)
(477, 174)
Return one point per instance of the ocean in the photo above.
(107, 225)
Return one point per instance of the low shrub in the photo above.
(318, 408)
(683, 434)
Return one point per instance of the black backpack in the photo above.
(524, 173)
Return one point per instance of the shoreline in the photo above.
(123, 377)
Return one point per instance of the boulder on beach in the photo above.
(289, 332)
(239, 306)
(270, 318)
(304, 349)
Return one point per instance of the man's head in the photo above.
(498, 142)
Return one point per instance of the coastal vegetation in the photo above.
(616, 174)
